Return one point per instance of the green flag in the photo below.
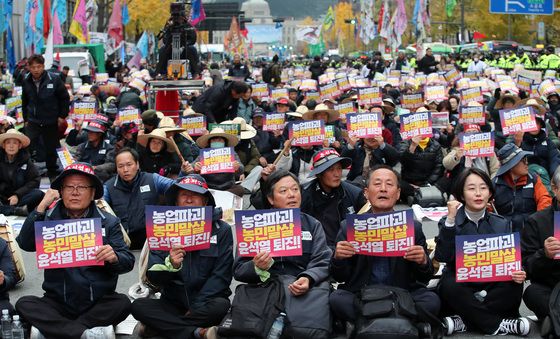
(329, 20)
(450, 6)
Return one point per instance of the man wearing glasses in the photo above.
(518, 192)
(79, 302)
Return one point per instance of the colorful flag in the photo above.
(401, 19)
(46, 18)
(233, 41)
(39, 39)
(79, 25)
(142, 44)
(328, 22)
(197, 12)
(10, 51)
(385, 23)
(450, 6)
(49, 50)
(125, 15)
(91, 11)
(58, 38)
(28, 37)
(60, 8)
(115, 28)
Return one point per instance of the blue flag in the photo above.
(39, 40)
(60, 8)
(125, 15)
(28, 39)
(142, 44)
(10, 51)
(123, 53)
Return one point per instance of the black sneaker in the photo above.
(454, 324)
(520, 326)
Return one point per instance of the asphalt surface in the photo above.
(34, 279)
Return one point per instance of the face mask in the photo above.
(217, 144)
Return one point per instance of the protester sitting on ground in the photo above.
(498, 102)
(497, 312)
(8, 278)
(97, 150)
(410, 272)
(78, 301)
(421, 160)
(518, 192)
(456, 161)
(266, 141)
(195, 287)
(328, 198)
(365, 154)
(218, 138)
(158, 154)
(186, 145)
(329, 117)
(540, 247)
(130, 191)
(304, 277)
(151, 119)
(19, 177)
(126, 137)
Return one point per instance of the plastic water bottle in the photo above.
(17, 328)
(277, 327)
(6, 325)
(480, 295)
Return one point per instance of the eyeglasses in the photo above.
(525, 160)
(79, 189)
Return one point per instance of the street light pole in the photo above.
(462, 21)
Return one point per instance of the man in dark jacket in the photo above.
(130, 191)
(316, 68)
(130, 97)
(428, 63)
(220, 102)
(78, 301)
(411, 272)
(367, 153)
(238, 69)
(195, 285)
(422, 164)
(540, 248)
(266, 141)
(328, 198)
(97, 151)
(45, 103)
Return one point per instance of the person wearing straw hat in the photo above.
(544, 151)
(330, 117)
(97, 151)
(19, 177)
(195, 286)
(157, 154)
(79, 302)
(218, 138)
(329, 198)
(186, 145)
(518, 192)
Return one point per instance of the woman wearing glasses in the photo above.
(518, 192)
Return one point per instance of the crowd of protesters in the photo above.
(154, 161)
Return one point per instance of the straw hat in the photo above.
(474, 104)
(247, 131)
(14, 134)
(190, 112)
(157, 133)
(537, 104)
(204, 140)
(168, 125)
(300, 111)
(322, 108)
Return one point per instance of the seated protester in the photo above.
(218, 138)
(76, 135)
(296, 116)
(301, 158)
(157, 154)
(79, 302)
(411, 272)
(456, 161)
(421, 161)
(150, 120)
(194, 287)
(8, 277)
(126, 137)
(330, 117)
(97, 151)
(498, 312)
(389, 116)
(246, 106)
(367, 153)
(304, 277)
(186, 145)
(19, 177)
(266, 141)
(539, 248)
(327, 197)
(544, 151)
(518, 192)
(444, 136)
(130, 191)
(130, 97)
(498, 102)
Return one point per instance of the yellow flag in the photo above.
(79, 24)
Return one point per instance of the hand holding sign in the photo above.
(344, 250)
(416, 254)
(176, 256)
(106, 253)
(551, 247)
(263, 261)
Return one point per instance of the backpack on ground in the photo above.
(254, 309)
(386, 312)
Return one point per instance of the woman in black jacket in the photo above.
(19, 178)
(490, 307)
(158, 155)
